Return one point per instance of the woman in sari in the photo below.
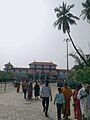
(18, 86)
(77, 110)
(36, 90)
(30, 89)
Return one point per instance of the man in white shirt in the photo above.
(45, 95)
(82, 96)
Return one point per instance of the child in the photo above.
(59, 101)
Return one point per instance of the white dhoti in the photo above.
(83, 105)
(84, 102)
(87, 111)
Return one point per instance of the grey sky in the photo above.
(27, 33)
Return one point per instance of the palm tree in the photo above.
(64, 20)
(86, 10)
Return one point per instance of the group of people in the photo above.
(27, 89)
(81, 99)
(61, 99)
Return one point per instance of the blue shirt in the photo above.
(59, 98)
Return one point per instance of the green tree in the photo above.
(82, 75)
(86, 11)
(80, 71)
(64, 20)
(71, 74)
(87, 74)
(6, 75)
(79, 75)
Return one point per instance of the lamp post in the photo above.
(66, 40)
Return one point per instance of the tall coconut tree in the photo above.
(86, 11)
(64, 20)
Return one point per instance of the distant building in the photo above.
(62, 74)
(42, 70)
(37, 71)
(19, 73)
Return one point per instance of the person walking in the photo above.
(76, 104)
(25, 85)
(45, 95)
(18, 86)
(67, 94)
(36, 90)
(30, 90)
(83, 96)
(22, 85)
(59, 100)
(87, 111)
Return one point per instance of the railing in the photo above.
(6, 86)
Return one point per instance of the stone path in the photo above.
(14, 107)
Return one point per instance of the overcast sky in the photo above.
(27, 33)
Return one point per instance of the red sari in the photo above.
(18, 86)
(77, 110)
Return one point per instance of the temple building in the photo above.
(37, 71)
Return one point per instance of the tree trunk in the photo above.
(77, 49)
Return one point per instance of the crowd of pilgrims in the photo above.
(27, 89)
(80, 96)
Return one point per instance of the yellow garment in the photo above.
(67, 94)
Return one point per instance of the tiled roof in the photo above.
(43, 63)
(8, 64)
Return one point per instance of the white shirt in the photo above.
(83, 101)
(46, 91)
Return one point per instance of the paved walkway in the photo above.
(14, 107)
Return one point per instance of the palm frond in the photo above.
(59, 14)
(63, 5)
(86, 11)
(70, 6)
(88, 15)
(72, 16)
(56, 23)
(77, 59)
(82, 12)
(59, 26)
(85, 16)
(84, 5)
(71, 21)
(57, 9)
(81, 51)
